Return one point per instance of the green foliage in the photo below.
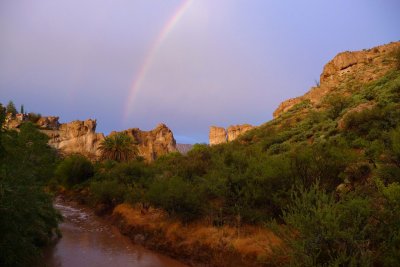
(108, 192)
(74, 169)
(395, 145)
(22, 110)
(376, 118)
(337, 103)
(323, 232)
(387, 232)
(118, 147)
(177, 196)
(11, 108)
(27, 217)
(396, 56)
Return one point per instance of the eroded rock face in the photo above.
(217, 135)
(235, 131)
(220, 135)
(73, 137)
(81, 137)
(363, 66)
(50, 122)
(155, 143)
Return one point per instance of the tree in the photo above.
(118, 147)
(27, 216)
(74, 169)
(22, 110)
(11, 108)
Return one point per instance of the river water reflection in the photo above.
(90, 241)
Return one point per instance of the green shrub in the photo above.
(278, 148)
(108, 192)
(336, 104)
(178, 197)
(396, 56)
(74, 169)
(322, 232)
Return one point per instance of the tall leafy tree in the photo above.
(27, 216)
(119, 147)
(11, 108)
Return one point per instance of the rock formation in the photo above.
(81, 137)
(219, 135)
(74, 137)
(234, 131)
(361, 66)
(154, 143)
(50, 123)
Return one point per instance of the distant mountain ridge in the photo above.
(184, 148)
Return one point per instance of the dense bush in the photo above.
(336, 104)
(108, 192)
(177, 196)
(321, 231)
(74, 169)
(27, 217)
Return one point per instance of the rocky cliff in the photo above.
(220, 135)
(73, 137)
(81, 137)
(154, 143)
(346, 67)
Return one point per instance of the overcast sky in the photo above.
(201, 62)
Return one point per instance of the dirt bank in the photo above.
(197, 243)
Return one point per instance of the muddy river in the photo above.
(90, 241)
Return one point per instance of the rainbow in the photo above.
(148, 60)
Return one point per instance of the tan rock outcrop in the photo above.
(220, 135)
(217, 135)
(81, 137)
(234, 131)
(155, 143)
(50, 122)
(361, 66)
(74, 137)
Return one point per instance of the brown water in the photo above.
(90, 241)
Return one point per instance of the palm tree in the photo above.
(119, 147)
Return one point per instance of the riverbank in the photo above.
(198, 243)
(89, 240)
